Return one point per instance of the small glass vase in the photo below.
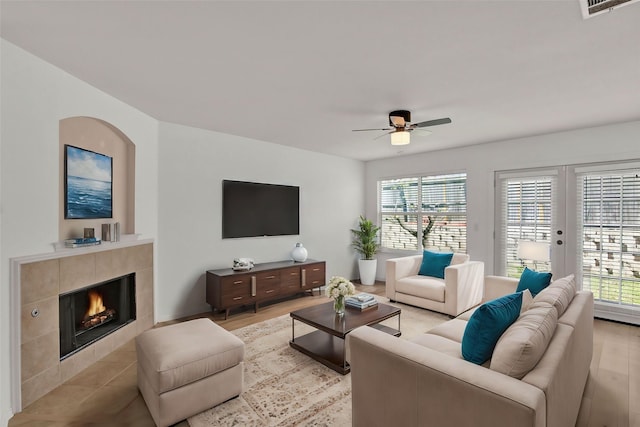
(338, 305)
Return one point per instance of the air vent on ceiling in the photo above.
(596, 7)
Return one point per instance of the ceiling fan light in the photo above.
(400, 138)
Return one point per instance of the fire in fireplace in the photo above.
(89, 314)
(97, 314)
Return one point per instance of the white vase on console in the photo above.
(299, 253)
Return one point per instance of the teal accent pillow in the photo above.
(534, 281)
(434, 263)
(487, 324)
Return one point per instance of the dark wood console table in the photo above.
(227, 288)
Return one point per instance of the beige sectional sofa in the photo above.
(426, 382)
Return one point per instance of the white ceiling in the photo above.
(305, 73)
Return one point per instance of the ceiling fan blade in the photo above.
(436, 122)
(384, 134)
(366, 130)
(420, 132)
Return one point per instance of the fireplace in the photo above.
(91, 313)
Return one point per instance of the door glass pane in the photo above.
(528, 208)
(610, 233)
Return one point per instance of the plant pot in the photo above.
(367, 269)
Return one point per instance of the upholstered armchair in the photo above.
(459, 290)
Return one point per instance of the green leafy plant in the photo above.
(365, 239)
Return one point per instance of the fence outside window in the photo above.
(438, 203)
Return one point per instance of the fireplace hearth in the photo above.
(91, 313)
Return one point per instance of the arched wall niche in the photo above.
(104, 138)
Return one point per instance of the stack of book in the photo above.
(361, 301)
(82, 242)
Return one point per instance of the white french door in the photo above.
(590, 217)
(530, 208)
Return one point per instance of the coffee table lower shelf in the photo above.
(329, 349)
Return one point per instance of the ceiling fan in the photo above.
(400, 122)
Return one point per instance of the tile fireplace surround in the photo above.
(36, 283)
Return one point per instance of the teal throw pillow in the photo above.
(534, 281)
(434, 263)
(487, 324)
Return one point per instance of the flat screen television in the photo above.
(251, 209)
(87, 184)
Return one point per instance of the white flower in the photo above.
(339, 286)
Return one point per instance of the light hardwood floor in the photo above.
(106, 394)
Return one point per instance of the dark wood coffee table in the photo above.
(327, 343)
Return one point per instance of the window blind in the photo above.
(526, 212)
(609, 234)
(437, 203)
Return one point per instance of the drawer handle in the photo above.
(304, 278)
(237, 298)
(294, 274)
(237, 282)
(253, 286)
(315, 281)
(316, 269)
(269, 291)
(270, 277)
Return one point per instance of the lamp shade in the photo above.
(400, 138)
(534, 251)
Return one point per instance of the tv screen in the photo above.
(87, 184)
(251, 209)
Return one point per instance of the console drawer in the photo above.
(290, 280)
(313, 275)
(267, 284)
(236, 290)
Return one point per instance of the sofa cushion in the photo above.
(422, 286)
(467, 314)
(487, 324)
(439, 343)
(522, 345)
(527, 300)
(453, 330)
(434, 263)
(533, 280)
(559, 293)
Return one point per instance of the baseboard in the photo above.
(5, 416)
(616, 313)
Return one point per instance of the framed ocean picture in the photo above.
(88, 180)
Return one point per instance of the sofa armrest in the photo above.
(463, 286)
(397, 382)
(397, 268)
(497, 286)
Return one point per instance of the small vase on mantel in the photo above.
(299, 253)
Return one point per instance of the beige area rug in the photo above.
(283, 387)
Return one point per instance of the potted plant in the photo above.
(365, 242)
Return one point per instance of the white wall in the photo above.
(606, 143)
(194, 162)
(35, 97)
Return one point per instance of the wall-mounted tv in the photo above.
(251, 209)
(87, 184)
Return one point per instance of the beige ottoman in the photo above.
(186, 368)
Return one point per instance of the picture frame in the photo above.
(88, 184)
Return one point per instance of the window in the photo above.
(438, 203)
(609, 221)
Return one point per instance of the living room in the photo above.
(180, 166)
